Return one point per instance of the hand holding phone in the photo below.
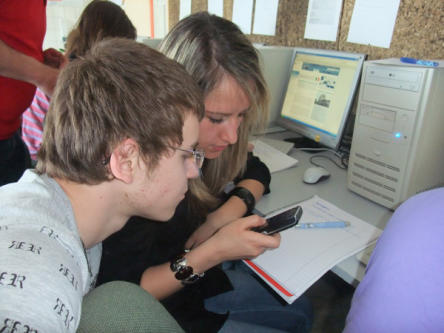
(281, 222)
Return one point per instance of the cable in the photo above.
(340, 164)
(343, 157)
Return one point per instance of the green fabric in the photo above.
(124, 307)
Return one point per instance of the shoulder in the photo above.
(419, 219)
(405, 268)
(38, 198)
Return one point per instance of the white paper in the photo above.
(323, 19)
(372, 22)
(306, 254)
(242, 14)
(281, 145)
(117, 2)
(184, 9)
(265, 17)
(273, 158)
(216, 7)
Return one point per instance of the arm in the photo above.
(256, 179)
(16, 65)
(233, 241)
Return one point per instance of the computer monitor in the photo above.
(319, 95)
(275, 62)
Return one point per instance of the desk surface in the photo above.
(287, 187)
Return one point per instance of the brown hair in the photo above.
(209, 47)
(120, 89)
(100, 19)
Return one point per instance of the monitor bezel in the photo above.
(310, 132)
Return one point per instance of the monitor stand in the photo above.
(302, 142)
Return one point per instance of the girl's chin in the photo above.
(212, 155)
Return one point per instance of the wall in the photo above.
(419, 29)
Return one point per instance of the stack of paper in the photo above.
(306, 254)
(274, 159)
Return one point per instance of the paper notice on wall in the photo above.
(373, 22)
(184, 9)
(216, 7)
(265, 17)
(323, 19)
(242, 14)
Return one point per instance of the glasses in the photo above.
(198, 155)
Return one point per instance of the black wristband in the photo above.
(246, 196)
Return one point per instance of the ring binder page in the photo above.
(306, 254)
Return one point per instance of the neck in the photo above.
(98, 210)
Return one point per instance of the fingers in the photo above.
(54, 58)
(252, 221)
(256, 239)
(269, 242)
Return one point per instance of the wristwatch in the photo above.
(246, 196)
(182, 271)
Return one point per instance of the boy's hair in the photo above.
(99, 20)
(120, 89)
(210, 47)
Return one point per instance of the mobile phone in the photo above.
(281, 221)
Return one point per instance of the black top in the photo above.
(143, 243)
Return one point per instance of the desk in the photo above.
(287, 187)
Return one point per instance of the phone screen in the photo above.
(281, 222)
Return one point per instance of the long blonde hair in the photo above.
(209, 47)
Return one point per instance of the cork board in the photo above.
(418, 33)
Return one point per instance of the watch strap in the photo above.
(182, 271)
(246, 196)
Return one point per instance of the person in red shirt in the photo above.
(23, 66)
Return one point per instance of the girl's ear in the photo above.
(124, 160)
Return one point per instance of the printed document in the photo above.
(306, 254)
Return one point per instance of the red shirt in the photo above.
(22, 27)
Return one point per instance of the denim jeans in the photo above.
(14, 159)
(253, 308)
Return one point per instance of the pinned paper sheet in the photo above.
(323, 19)
(305, 255)
(242, 14)
(184, 9)
(216, 7)
(373, 22)
(265, 17)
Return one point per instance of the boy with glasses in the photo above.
(116, 143)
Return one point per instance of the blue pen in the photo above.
(420, 62)
(328, 224)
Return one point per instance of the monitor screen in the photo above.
(320, 94)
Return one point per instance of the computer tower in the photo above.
(398, 139)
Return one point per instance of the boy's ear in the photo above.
(124, 160)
